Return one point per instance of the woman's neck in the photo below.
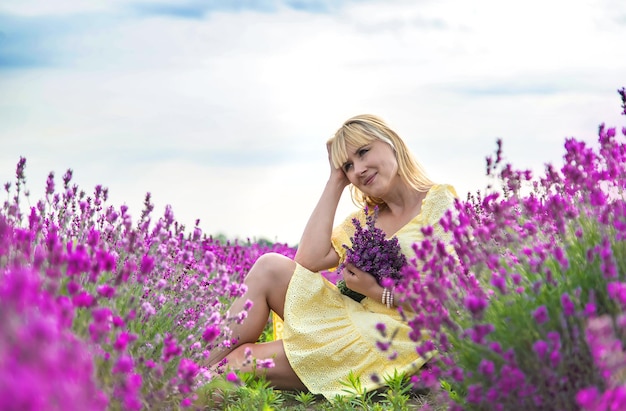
(405, 200)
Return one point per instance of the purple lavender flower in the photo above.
(540, 348)
(210, 333)
(587, 398)
(373, 253)
(476, 305)
(487, 368)
(541, 314)
(568, 305)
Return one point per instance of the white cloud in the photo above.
(226, 117)
(31, 8)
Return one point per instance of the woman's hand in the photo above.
(336, 174)
(360, 281)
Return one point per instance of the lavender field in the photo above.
(102, 307)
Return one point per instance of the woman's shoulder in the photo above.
(445, 190)
(440, 198)
(440, 194)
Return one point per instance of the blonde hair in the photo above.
(364, 129)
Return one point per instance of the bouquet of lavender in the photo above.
(372, 253)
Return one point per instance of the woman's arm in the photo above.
(315, 251)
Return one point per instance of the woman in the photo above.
(328, 335)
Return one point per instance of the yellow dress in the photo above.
(327, 335)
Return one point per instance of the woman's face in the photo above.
(372, 168)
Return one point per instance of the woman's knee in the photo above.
(272, 266)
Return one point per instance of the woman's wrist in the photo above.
(387, 297)
(337, 184)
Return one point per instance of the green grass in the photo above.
(255, 393)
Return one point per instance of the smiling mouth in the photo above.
(369, 179)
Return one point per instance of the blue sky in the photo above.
(222, 108)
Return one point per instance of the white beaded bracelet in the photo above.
(387, 297)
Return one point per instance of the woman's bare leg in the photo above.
(267, 283)
(280, 376)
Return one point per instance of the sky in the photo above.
(222, 108)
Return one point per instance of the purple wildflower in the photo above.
(122, 340)
(106, 290)
(587, 398)
(540, 348)
(617, 291)
(373, 253)
(50, 184)
(476, 305)
(83, 299)
(147, 264)
(474, 394)
(541, 314)
(265, 363)
(487, 368)
(124, 364)
(232, 377)
(210, 333)
(568, 305)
